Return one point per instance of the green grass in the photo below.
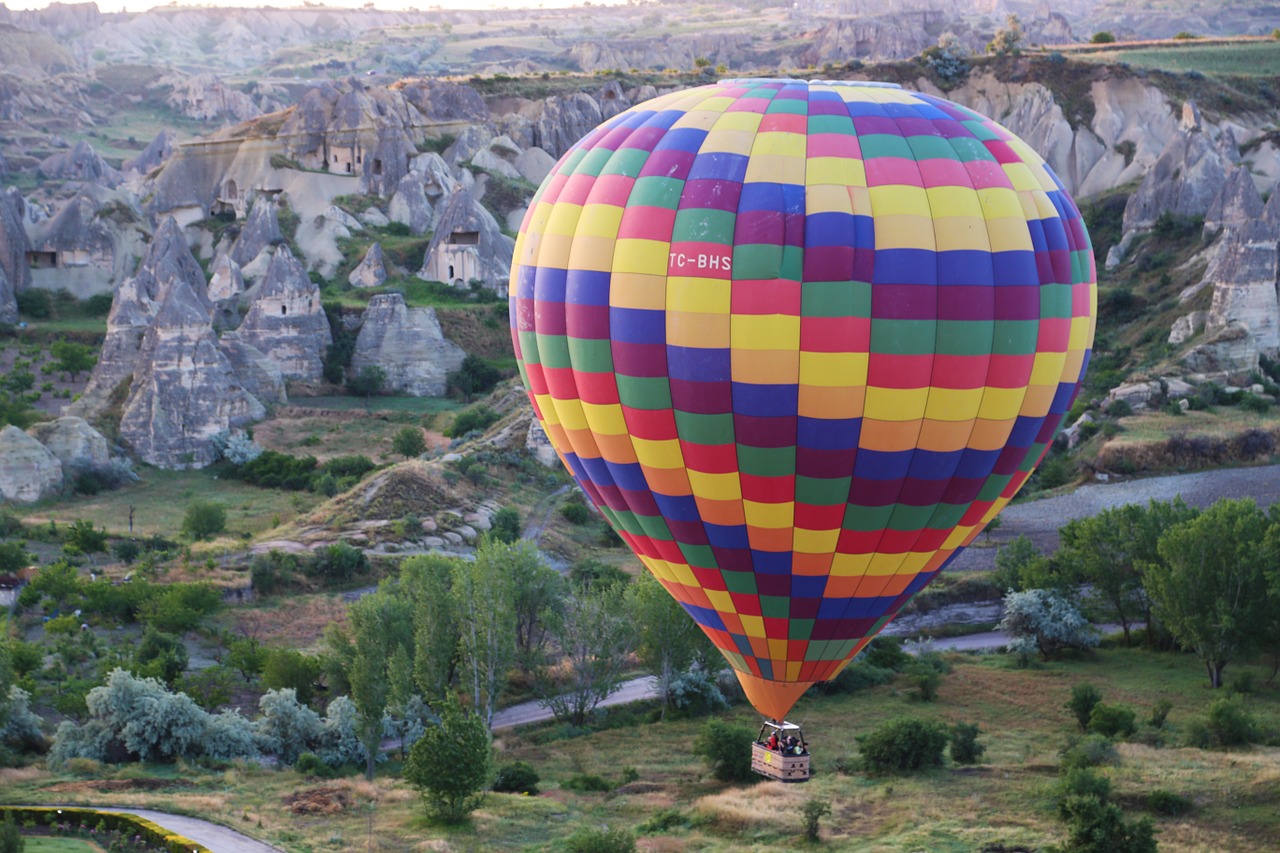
(48, 844)
(409, 405)
(159, 501)
(1249, 59)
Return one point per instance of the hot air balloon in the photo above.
(799, 342)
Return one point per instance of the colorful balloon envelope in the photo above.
(800, 342)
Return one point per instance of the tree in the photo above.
(369, 381)
(1211, 591)
(73, 358)
(948, 59)
(451, 763)
(506, 525)
(427, 581)
(484, 602)
(1013, 560)
(247, 656)
(11, 840)
(903, 745)
(286, 728)
(1045, 621)
(1102, 37)
(204, 519)
(1107, 551)
(381, 626)
(1008, 39)
(537, 593)
(86, 538)
(667, 638)
(286, 669)
(1084, 698)
(409, 443)
(594, 636)
(726, 747)
(476, 376)
(13, 558)
(160, 656)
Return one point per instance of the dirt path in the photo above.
(1040, 520)
(216, 837)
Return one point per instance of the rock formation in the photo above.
(225, 281)
(539, 445)
(167, 263)
(81, 163)
(14, 246)
(184, 391)
(1184, 181)
(154, 155)
(260, 231)
(205, 97)
(81, 243)
(1244, 286)
(558, 122)
(371, 271)
(1236, 204)
(78, 446)
(259, 375)
(468, 245)
(286, 321)
(406, 343)
(28, 471)
(498, 157)
(409, 205)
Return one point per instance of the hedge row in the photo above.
(126, 824)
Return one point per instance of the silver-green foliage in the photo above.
(287, 728)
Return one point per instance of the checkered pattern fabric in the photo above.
(800, 342)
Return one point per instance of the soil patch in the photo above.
(318, 801)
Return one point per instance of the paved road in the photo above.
(1039, 520)
(218, 838)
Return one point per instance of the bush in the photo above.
(451, 763)
(593, 840)
(1088, 751)
(309, 764)
(476, 376)
(965, 748)
(903, 745)
(471, 420)
(1084, 698)
(1228, 723)
(204, 519)
(506, 525)
(273, 470)
(1045, 621)
(813, 811)
(587, 783)
(1168, 803)
(1102, 37)
(11, 840)
(126, 551)
(1081, 782)
(575, 512)
(338, 563)
(925, 681)
(1160, 713)
(409, 442)
(1098, 827)
(726, 747)
(517, 778)
(1113, 720)
(36, 304)
(272, 572)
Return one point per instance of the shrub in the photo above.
(272, 572)
(859, 675)
(1084, 698)
(1228, 723)
(1044, 620)
(126, 550)
(903, 745)
(273, 470)
(36, 304)
(575, 512)
(204, 519)
(925, 681)
(517, 778)
(695, 692)
(726, 747)
(965, 748)
(451, 763)
(1098, 827)
(1112, 720)
(408, 442)
(1168, 803)
(1160, 713)
(309, 764)
(11, 840)
(471, 420)
(1102, 37)
(813, 811)
(506, 525)
(663, 820)
(1088, 751)
(337, 563)
(587, 783)
(1081, 782)
(592, 840)
(476, 376)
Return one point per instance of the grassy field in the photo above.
(160, 498)
(1248, 59)
(379, 405)
(47, 844)
(1008, 799)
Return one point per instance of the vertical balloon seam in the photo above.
(857, 596)
(756, 643)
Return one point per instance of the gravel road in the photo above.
(1040, 520)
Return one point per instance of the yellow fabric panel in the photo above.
(838, 171)
(1009, 235)
(766, 331)
(956, 538)
(658, 454)
(605, 419)
(815, 541)
(752, 625)
(825, 198)
(778, 650)
(741, 120)
(775, 168)
(571, 415)
(782, 144)
(1000, 203)
(636, 290)
(898, 200)
(1000, 404)
(1047, 368)
(641, 256)
(953, 201)
(554, 249)
(884, 564)
(850, 565)
(720, 140)
(600, 220)
(716, 487)
(1081, 333)
(833, 369)
(773, 516)
(592, 253)
(904, 231)
(895, 404)
(961, 232)
(953, 404)
(720, 600)
(564, 219)
(703, 295)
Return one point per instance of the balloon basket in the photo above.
(780, 752)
